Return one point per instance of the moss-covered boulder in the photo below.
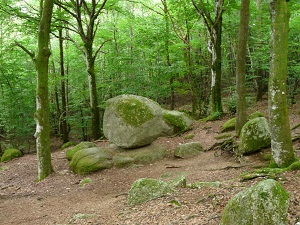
(229, 125)
(188, 150)
(254, 136)
(146, 189)
(83, 145)
(255, 115)
(10, 154)
(146, 154)
(90, 160)
(132, 121)
(177, 122)
(265, 203)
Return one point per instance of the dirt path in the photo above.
(60, 199)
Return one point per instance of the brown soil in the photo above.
(60, 199)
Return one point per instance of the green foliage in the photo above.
(134, 61)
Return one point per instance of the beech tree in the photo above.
(281, 141)
(86, 15)
(42, 134)
(241, 66)
(214, 27)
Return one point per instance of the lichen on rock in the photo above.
(132, 121)
(178, 122)
(255, 135)
(188, 150)
(265, 203)
(90, 160)
(146, 189)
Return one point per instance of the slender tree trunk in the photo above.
(281, 141)
(42, 102)
(259, 71)
(216, 65)
(90, 63)
(167, 52)
(241, 66)
(63, 118)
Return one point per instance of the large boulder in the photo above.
(146, 189)
(265, 203)
(254, 136)
(177, 122)
(188, 150)
(90, 160)
(132, 121)
(10, 154)
(146, 154)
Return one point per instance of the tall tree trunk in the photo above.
(65, 136)
(241, 66)
(42, 102)
(167, 53)
(216, 52)
(259, 71)
(214, 27)
(281, 141)
(90, 63)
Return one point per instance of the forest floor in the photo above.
(60, 199)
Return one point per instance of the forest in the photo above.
(182, 54)
(61, 61)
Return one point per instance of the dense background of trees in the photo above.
(158, 49)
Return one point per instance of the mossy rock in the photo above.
(179, 181)
(294, 166)
(67, 145)
(132, 121)
(200, 184)
(146, 189)
(265, 203)
(212, 117)
(10, 154)
(144, 155)
(188, 150)
(255, 115)
(178, 122)
(229, 125)
(89, 160)
(254, 136)
(134, 111)
(70, 152)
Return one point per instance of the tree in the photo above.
(281, 141)
(214, 27)
(241, 66)
(86, 15)
(42, 102)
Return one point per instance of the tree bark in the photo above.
(214, 27)
(281, 141)
(167, 53)
(42, 102)
(86, 14)
(241, 118)
(65, 133)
